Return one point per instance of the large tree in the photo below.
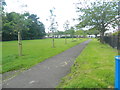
(36, 28)
(2, 4)
(18, 26)
(118, 45)
(28, 24)
(98, 15)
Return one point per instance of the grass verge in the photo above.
(34, 52)
(94, 68)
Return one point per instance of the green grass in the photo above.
(34, 51)
(94, 68)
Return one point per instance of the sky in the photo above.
(64, 10)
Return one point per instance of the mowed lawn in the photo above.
(94, 68)
(34, 51)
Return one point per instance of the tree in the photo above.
(94, 31)
(66, 27)
(36, 28)
(18, 26)
(80, 33)
(32, 28)
(53, 25)
(99, 15)
(118, 45)
(2, 4)
(60, 33)
(71, 31)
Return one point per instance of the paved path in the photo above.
(47, 74)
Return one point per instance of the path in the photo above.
(47, 74)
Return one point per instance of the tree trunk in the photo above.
(53, 42)
(79, 37)
(102, 37)
(72, 37)
(118, 43)
(65, 40)
(19, 44)
(95, 35)
(76, 37)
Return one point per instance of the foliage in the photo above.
(2, 4)
(116, 33)
(60, 33)
(112, 41)
(94, 68)
(66, 27)
(27, 23)
(34, 52)
(92, 31)
(81, 33)
(53, 25)
(99, 15)
(71, 31)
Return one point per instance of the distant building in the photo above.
(91, 36)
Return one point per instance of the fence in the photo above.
(111, 40)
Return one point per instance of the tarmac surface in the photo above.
(49, 73)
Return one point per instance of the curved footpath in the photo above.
(47, 74)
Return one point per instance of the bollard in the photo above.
(117, 72)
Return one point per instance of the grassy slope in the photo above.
(94, 68)
(34, 51)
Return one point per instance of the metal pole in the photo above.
(117, 72)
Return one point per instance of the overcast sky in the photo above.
(64, 9)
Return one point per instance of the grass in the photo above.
(94, 68)
(34, 52)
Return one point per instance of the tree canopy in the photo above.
(28, 24)
(99, 15)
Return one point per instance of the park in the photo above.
(51, 53)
